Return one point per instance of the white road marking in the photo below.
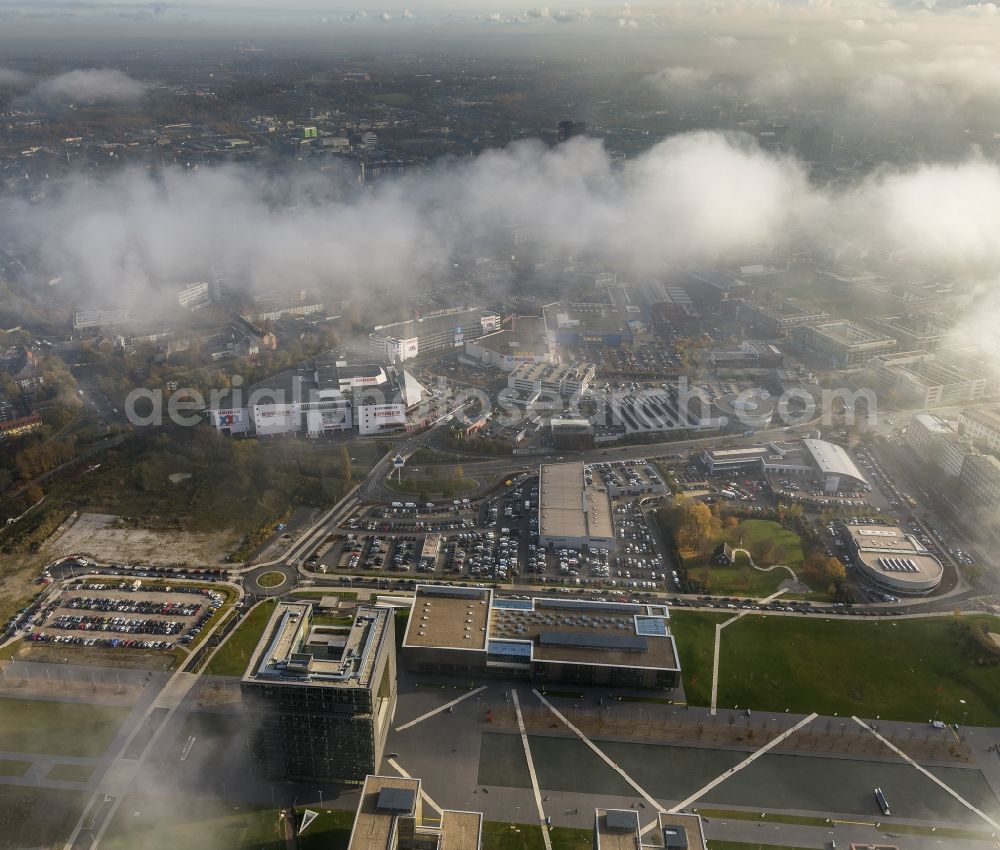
(928, 774)
(531, 771)
(439, 709)
(701, 792)
(395, 765)
(603, 756)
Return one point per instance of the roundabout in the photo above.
(271, 579)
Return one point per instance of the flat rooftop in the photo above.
(377, 812)
(576, 631)
(460, 830)
(890, 551)
(294, 652)
(851, 334)
(433, 324)
(568, 507)
(617, 829)
(455, 617)
(681, 832)
(984, 416)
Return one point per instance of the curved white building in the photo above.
(893, 560)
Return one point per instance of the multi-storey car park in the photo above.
(922, 378)
(321, 698)
(468, 631)
(842, 344)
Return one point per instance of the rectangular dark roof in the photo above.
(453, 592)
(675, 837)
(593, 641)
(624, 819)
(396, 800)
(583, 605)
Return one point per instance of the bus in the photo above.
(883, 804)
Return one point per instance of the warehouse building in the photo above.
(570, 511)
(390, 816)
(842, 344)
(321, 698)
(525, 342)
(438, 331)
(894, 560)
(925, 379)
(605, 323)
(467, 631)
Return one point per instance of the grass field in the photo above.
(330, 831)
(500, 836)
(58, 728)
(13, 767)
(695, 633)
(271, 579)
(70, 772)
(143, 823)
(905, 669)
(395, 98)
(37, 817)
(567, 838)
(432, 486)
(740, 578)
(234, 655)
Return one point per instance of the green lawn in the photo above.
(395, 98)
(58, 728)
(13, 767)
(905, 669)
(234, 655)
(695, 634)
(192, 823)
(740, 578)
(432, 486)
(330, 831)
(271, 579)
(70, 772)
(567, 838)
(500, 836)
(37, 817)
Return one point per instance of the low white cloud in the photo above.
(90, 85)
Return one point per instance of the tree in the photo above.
(345, 464)
(763, 552)
(458, 473)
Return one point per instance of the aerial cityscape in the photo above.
(481, 427)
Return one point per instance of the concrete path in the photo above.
(531, 771)
(701, 792)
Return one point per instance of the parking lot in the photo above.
(123, 614)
